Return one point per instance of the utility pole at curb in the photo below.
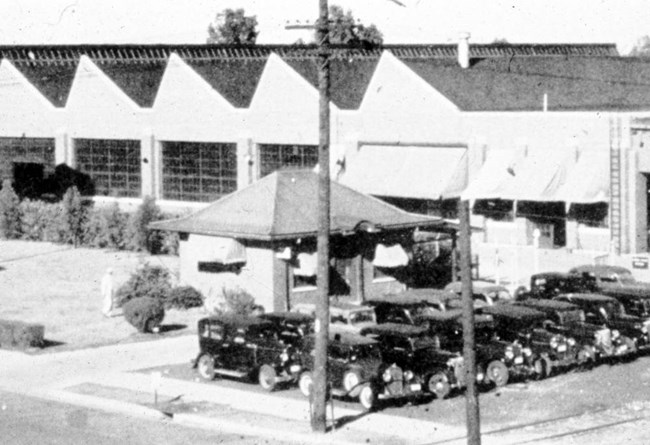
(319, 414)
(469, 352)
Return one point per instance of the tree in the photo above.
(73, 215)
(10, 215)
(233, 27)
(641, 47)
(346, 30)
(139, 237)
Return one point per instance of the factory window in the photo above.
(113, 165)
(279, 157)
(200, 172)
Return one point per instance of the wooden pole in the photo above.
(469, 353)
(319, 416)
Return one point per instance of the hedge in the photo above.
(20, 335)
(144, 313)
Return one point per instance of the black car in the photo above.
(597, 341)
(636, 301)
(551, 284)
(608, 311)
(550, 350)
(245, 347)
(498, 359)
(608, 277)
(411, 348)
(292, 326)
(356, 370)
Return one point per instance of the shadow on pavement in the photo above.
(171, 327)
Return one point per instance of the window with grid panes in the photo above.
(196, 171)
(279, 157)
(113, 165)
(28, 150)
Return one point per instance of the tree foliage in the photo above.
(73, 215)
(10, 215)
(140, 238)
(641, 47)
(233, 27)
(344, 29)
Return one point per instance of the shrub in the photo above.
(21, 335)
(73, 216)
(169, 242)
(9, 212)
(148, 281)
(139, 237)
(238, 301)
(106, 227)
(184, 297)
(145, 313)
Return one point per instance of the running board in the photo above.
(231, 373)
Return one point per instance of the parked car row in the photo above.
(409, 345)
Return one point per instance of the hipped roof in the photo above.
(284, 205)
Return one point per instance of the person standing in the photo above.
(108, 291)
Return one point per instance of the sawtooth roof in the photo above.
(283, 205)
(502, 77)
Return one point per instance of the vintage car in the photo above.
(344, 317)
(597, 341)
(245, 347)
(356, 370)
(498, 359)
(551, 351)
(292, 326)
(409, 347)
(608, 277)
(636, 301)
(547, 285)
(484, 293)
(608, 311)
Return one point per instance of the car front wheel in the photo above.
(205, 366)
(267, 377)
(306, 383)
(438, 384)
(351, 381)
(497, 373)
(367, 397)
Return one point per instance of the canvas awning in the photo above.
(420, 172)
(492, 176)
(307, 265)
(538, 176)
(215, 249)
(390, 256)
(587, 181)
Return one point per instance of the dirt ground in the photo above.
(59, 287)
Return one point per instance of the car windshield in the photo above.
(423, 342)
(362, 316)
(423, 311)
(576, 316)
(612, 309)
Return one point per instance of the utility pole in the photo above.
(469, 352)
(319, 414)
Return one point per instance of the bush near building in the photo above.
(148, 281)
(184, 297)
(145, 313)
(10, 219)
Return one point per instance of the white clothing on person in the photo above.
(107, 291)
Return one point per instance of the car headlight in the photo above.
(408, 375)
(527, 352)
(284, 356)
(571, 341)
(509, 353)
(555, 342)
(615, 334)
(386, 376)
